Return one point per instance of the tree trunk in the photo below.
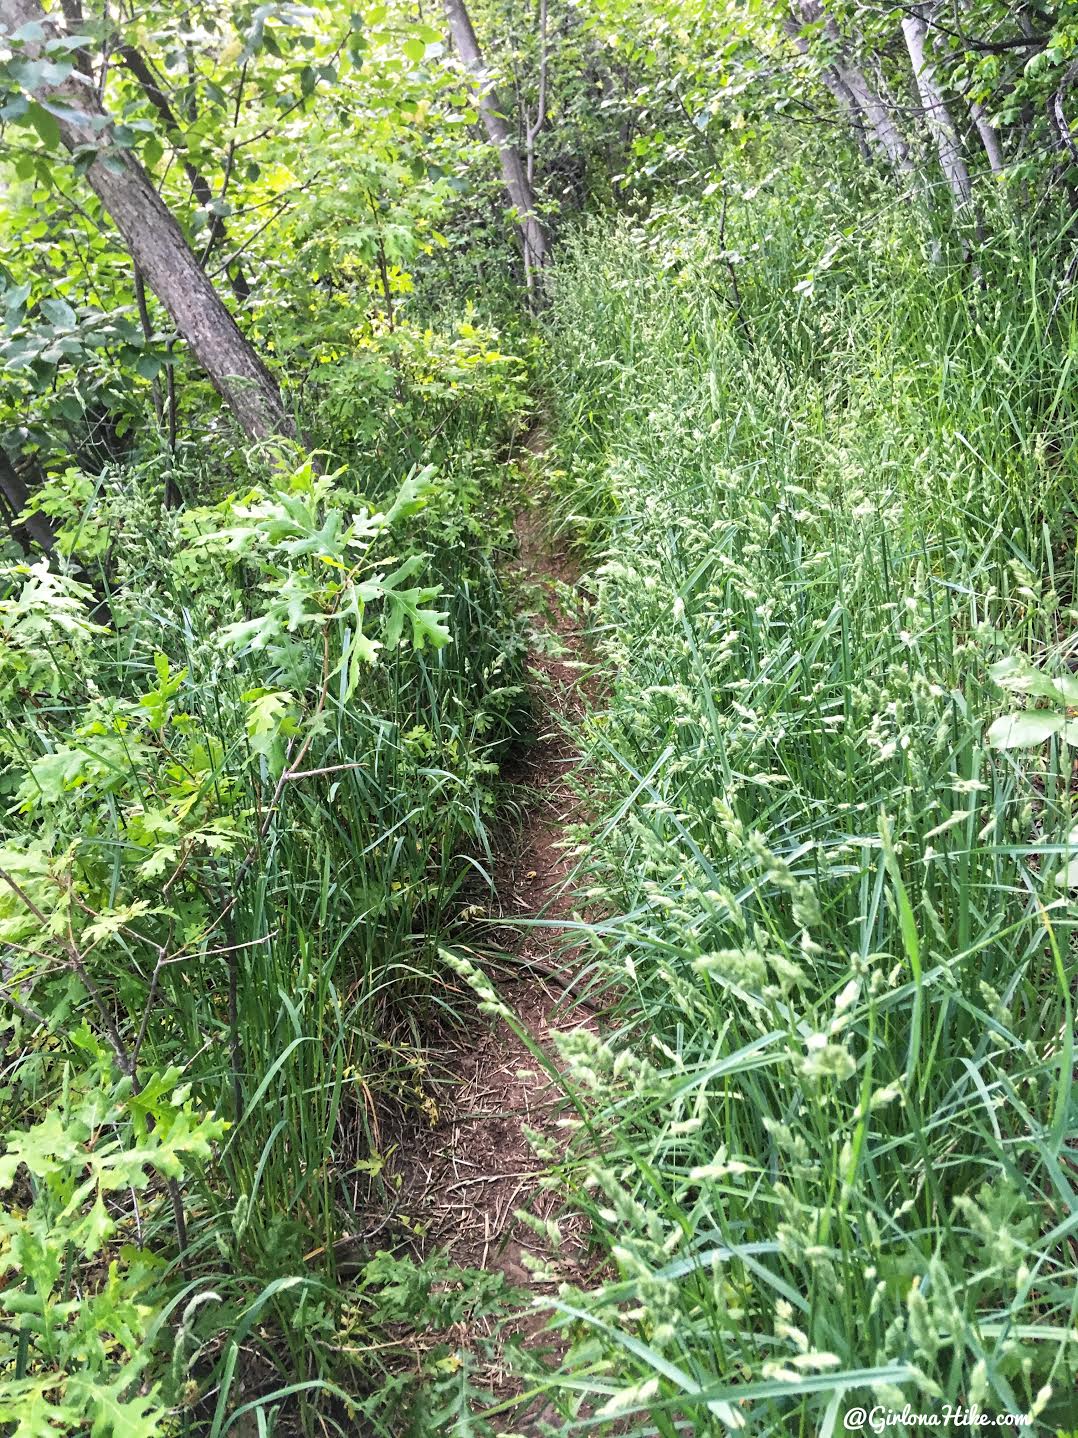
(937, 116)
(151, 88)
(993, 146)
(540, 104)
(1062, 139)
(200, 188)
(847, 102)
(850, 75)
(35, 529)
(533, 236)
(989, 135)
(843, 95)
(158, 246)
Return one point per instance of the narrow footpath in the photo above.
(471, 1174)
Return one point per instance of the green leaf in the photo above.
(412, 495)
(61, 44)
(59, 313)
(46, 125)
(117, 1415)
(40, 73)
(363, 654)
(30, 33)
(15, 299)
(1021, 677)
(37, 1417)
(1025, 730)
(98, 1229)
(270, 716)
(1064, 689)
(46, 1148)
(428, 625)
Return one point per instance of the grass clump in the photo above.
(827, 1146)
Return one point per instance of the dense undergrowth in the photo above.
(248, 769)
(828, 1150)
(275, 310)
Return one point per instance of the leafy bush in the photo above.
(249, 762)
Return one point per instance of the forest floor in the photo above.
(469, 1175)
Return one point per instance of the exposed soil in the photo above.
(464, 1179)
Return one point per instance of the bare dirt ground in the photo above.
(465, 1178)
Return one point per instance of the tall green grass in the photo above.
(828, 1155)
(272, 946)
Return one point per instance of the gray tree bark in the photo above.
(514, 177)
(841, 92)
(200, 188)
(537, 124)
(157, 244)
(846, 101)
(989, 135)
(853, 79)
(993, 145)
(937, 116)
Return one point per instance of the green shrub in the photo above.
(249, 767)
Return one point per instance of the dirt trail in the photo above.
(469, 1175)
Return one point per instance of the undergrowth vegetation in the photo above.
(831, 518)
(248, 765)
(285, 289)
